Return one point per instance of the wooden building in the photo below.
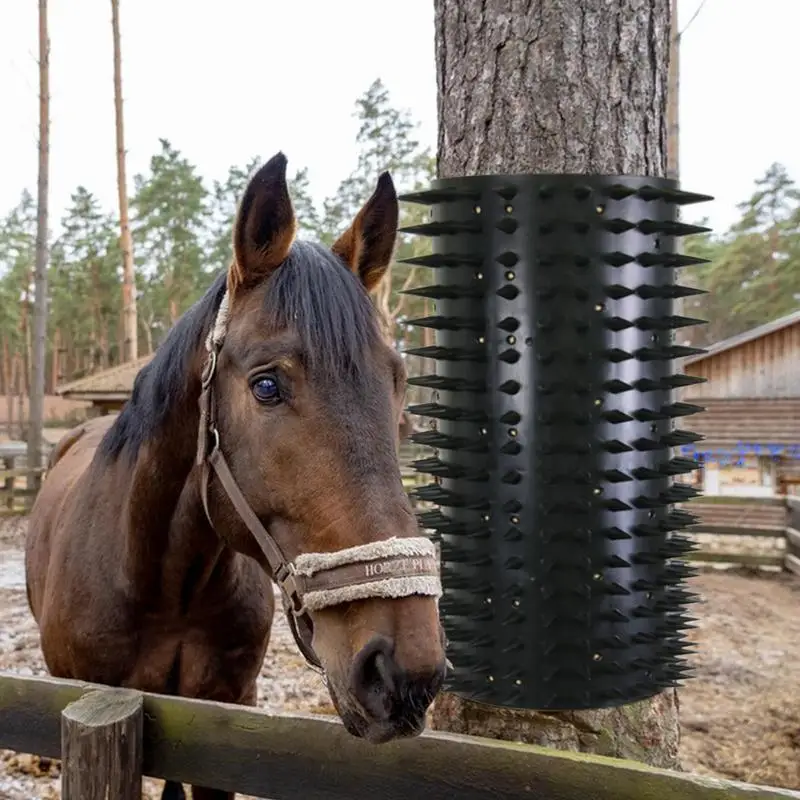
(752, 420)
(106, 391)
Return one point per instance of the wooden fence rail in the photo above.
(289, 757)
(731, 517)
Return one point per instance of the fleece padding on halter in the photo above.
(389, 568)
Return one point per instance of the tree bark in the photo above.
(39, 345)
(575, 86)
(673, 94)
(562, 86)
(130, 338)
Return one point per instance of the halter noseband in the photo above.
(387, 568)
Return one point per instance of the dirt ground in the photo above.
(740, 713)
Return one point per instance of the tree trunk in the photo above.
(24, 329)
(130, 341)
(39, 349)
(55, 371)
(673, 95)
(563, 86)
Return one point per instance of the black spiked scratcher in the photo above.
(553, 421)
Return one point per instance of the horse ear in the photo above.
(265, 226)
(367, 245)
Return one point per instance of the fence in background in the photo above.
(743, 531)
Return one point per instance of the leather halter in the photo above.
(342, 575)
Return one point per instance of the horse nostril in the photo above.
(373, 677)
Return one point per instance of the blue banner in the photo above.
(737, 455)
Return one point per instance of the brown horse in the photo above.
(259, 445)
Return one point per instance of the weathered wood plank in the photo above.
(745, 559)
(21, 472)
(791, 563)
(17, 492)
(296, 756)
(101, 746)
(735, 530)
(734, 500)
(793, 540)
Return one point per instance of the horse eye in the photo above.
(265, 389)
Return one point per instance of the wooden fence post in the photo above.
(8, 484)
(101, 746)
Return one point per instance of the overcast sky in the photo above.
(224, 81)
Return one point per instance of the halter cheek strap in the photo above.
(390, 568)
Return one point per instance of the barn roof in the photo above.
(111, 384)
(748, 336)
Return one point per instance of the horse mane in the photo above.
(312, 292)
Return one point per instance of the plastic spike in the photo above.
(438, 411)
(681, 409)
(442, 383)
(456, 580)
(510, 418)
(508, 324)
(619, 191)
(440, 292)
(511, 448)
(678, 438)
(615, 504)
(644, 445)
(617, 323)
(667, 353)
(431, 197)
(513, 534)
(615, 534)
(669, 260)
(679, 466)
(678, 381)
(441, 469)
(666, 323)
(433, 493)
(443, 441)
(675, 549)
(668, 291)
(682, 198)
(617, 386)
(440, 323)
(458, 554)
(510, 356)
(615, 446)
(616, 476)
(508, 292)
(507, 225)
(448, 353)
(670, 228)
(507, 259)
(680, 519)
(439, 260)
(452, 228)
(457, 608)
(678, 493)
(616, 291)
(617, 225)
(616, 417)
(617, 259)
(510, 387)
(616, 355)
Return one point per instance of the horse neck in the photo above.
(163, 517)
